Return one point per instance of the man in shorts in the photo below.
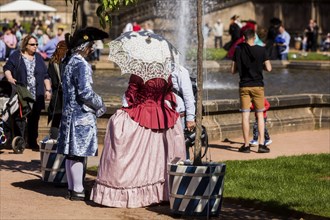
(250, 60)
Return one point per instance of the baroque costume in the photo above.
(141, 139)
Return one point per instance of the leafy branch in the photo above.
(104, 10)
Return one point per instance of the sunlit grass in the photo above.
(299, 183)
(284, 185)
(309, 56)
(208, 54)
(220, 54)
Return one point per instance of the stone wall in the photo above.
(223, 120)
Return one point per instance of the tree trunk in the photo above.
(74, 16)
(198, 142)
(83, 15)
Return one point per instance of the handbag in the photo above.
(53, 132)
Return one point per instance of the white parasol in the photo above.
(144, 54)
(25, 5)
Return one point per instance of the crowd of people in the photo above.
(275, 38)
(147, 132)
(48, 33)
(135, 26)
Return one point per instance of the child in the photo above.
(268, 141)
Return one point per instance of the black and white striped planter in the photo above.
(196, 190)
(52, 164)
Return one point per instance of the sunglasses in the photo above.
(33, 44)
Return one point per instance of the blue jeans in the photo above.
(256, 132)
(284, 56)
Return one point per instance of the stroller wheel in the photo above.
(18, 145)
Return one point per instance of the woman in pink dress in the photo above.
(140, 141)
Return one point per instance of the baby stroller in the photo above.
(190, 137)
(12, 118)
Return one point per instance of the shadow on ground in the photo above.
(239, 209)
(227, 147)
(231, 148)
(270, 207)
(223, 147)
(228, 211)
(34, 182)
(52, 189)
(28, 168)
(37, 185)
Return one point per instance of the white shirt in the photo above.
(218, 29)
(128, 27)
(99, 44)
(182, 83)
(286, 36)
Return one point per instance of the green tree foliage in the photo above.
(106, 8)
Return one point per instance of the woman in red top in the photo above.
(141, 139)
(136, 26)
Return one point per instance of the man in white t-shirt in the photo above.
(218, 32)
(128, 27)
(286, 36)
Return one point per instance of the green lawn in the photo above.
(299, 184)
(208, 54)
(310, 56)
(219, 54)
(295, 185)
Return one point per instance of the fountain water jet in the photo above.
(178, 24)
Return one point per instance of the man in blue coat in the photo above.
(81, 105)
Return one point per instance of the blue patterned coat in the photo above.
(78, 130)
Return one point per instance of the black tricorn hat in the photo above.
(85, 35)
(234, 17)
(275, 21)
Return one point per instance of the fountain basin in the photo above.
(288, 113)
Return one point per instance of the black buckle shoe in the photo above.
(68, 196)
(263, 149)
(244, 149)
(77, 196)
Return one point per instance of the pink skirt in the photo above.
(133, 166)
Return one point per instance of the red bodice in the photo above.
(152, 103)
